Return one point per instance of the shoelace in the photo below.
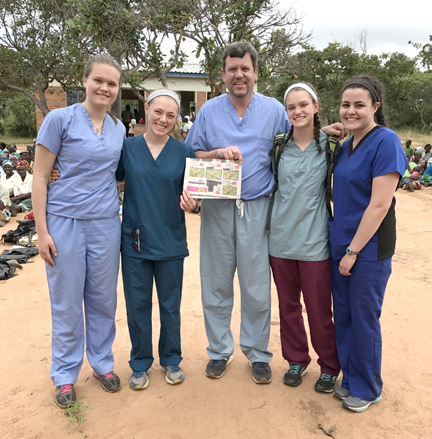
(173, 368)
(138, 374)
(326, 377)
(295, 369)
(66, 388)
(108, 375)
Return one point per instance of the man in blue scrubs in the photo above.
(238, 125)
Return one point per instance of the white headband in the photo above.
(304, 87)
(163, 92)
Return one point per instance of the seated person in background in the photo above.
(14, 160)
(415, 175)
(428, 155)
(408, 150)
(22, 184)
(25, 156)
(428, 170)
(4, 203)
(8, 176)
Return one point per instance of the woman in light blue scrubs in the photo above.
(154, 237)
(79, 227)
(362, 238)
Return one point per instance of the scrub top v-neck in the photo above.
(152, 198)
(86, 188)
(379, 153)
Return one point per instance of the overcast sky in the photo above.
(389, 24)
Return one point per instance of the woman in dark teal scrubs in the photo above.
(154, 237)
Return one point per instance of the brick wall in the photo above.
(56, 98)
(201, 98)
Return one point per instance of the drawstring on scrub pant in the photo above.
(240, 208)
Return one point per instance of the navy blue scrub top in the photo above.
(378, 153)
(152, 198)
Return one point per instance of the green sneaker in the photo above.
(326, 383)
(294, 375)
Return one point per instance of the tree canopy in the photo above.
(48, 41)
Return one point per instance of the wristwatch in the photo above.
(350, 251)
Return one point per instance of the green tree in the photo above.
(18, 115)
(34, 49)
(215, 24)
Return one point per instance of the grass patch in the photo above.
(11, 139)
(77, 412)
(418, 138)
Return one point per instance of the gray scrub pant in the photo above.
(229, 242)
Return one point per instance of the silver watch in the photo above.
(350, 251)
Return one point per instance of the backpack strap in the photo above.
(332, 151)
(279, 143)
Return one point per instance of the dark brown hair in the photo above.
(375, 89)
(238, 50)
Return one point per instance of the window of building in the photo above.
(74, 96)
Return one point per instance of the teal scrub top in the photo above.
(152, 198)
(299, 222)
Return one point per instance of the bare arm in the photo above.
(230, 153)
(44, 161)
(383, 188)
(336, 129)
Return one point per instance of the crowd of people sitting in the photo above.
(15, 181)
(419, 171)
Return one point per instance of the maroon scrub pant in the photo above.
(313, 278)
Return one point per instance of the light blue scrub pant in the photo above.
(229, 242)
(85, 270)
(357, 305)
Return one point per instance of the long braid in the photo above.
(291, 131)
(317, 131)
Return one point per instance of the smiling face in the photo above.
(301, 109)
(8, 170)
(162, 113)
(357, 111)
(102, 85)
(240, 76)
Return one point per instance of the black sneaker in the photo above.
(325, 383)
(216, 368)
(110, 381)
(261, 372)
(294, 375)
(65, 395)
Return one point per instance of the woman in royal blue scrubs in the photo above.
(362, 238)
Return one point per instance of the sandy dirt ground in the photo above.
(234, 406)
